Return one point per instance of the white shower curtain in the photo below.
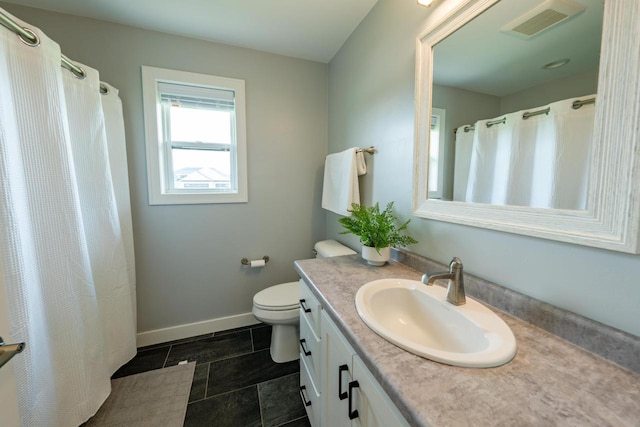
(463, 148)
(542, 161)
(117, 147)
(490, 163)
(64, 268)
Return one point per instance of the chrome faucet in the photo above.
(455, 290)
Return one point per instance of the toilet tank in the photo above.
(331, 248)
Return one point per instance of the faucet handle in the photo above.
(455, 264)
(455, 291)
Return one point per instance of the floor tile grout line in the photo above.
(290, 421)
(229, 357)
(216, 360)
(166, 358)
(236, 355)
(260, 405)
(242, 388)
(226, 392)
(223, 358)
(206, 384)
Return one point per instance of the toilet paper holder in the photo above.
(246, 261)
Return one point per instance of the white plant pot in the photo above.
(372, 256)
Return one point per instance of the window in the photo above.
(195, 137)
(436, 154)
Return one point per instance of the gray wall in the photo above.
(188, 257)
(462, 107)
(584, 83)
(371, 101)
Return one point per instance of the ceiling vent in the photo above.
(545, 16)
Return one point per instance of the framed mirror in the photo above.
(593, 195)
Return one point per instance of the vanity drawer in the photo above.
(309, 308)
(309, 394)
(309, 348)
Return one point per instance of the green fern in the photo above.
(376, 229)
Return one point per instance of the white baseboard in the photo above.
(158, 336)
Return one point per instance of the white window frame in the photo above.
(438, 122)
(158, 165)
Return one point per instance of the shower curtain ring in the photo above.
(28, 37)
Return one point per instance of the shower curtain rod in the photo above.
(575, 105)
(30, 38)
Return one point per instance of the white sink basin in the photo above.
(417, 318)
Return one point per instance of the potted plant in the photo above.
(377, 231)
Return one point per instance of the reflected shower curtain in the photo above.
(542, 161)
(64, 268)
(490, 163)
(462, 161)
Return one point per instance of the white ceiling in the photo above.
(481, 58)
(305, 29)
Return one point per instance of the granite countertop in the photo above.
(550, 382)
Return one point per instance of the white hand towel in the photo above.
(340, 187)
(361, 165)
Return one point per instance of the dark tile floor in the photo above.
(236, 384)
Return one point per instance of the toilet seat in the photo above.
(284, 296)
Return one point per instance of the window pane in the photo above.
(201, 169)
(202, 125)
(434, 159)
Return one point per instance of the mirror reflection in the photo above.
(507, 83)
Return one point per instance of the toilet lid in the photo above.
(279, 297)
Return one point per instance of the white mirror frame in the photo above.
(612, 220)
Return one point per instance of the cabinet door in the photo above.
(309, 348)
(310, 307)
(335, 376)
(309, 395)
(374, 407)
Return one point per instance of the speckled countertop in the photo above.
(550, 382)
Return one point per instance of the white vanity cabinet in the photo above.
(351, 395)
(310, 344)
(335, 386)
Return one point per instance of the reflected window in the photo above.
(436, 153)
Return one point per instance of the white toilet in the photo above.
(278, 306)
